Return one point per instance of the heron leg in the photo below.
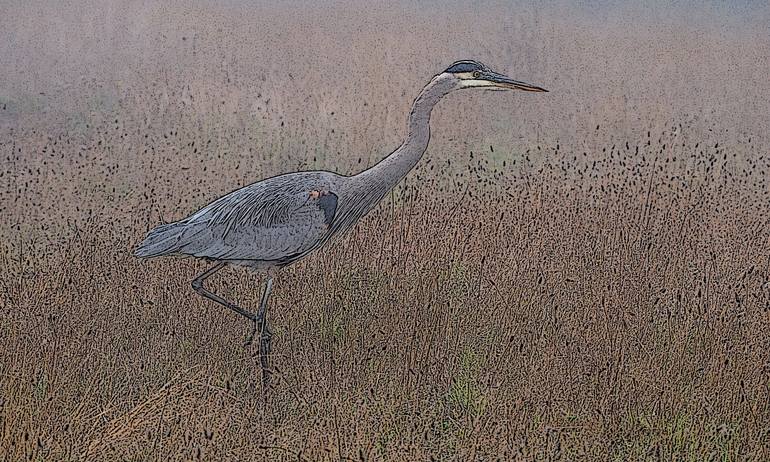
(258, 320)
(265, 336)
(197, 284)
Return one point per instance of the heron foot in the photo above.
(256, 322)
(252, 332)
(265, 345)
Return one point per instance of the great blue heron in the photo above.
(277, 221)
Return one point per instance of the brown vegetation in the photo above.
(605, 297)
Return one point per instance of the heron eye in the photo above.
(476, 74)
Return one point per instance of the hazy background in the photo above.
(623, 66)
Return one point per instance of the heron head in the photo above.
(473, 74)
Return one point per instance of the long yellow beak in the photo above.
(501, 81)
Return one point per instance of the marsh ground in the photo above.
(578, 276)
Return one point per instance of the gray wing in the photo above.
(279, 219)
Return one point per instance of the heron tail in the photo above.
(161, 240)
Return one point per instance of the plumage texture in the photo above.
(279, 220)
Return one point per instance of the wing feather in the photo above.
(273, 220)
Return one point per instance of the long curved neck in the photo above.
(390, 170)
(365, 190)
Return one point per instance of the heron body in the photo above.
(267, 224)
(277, 221)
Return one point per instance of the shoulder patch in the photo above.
(327, 202)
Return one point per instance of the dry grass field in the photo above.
(582, 275)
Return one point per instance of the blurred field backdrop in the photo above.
(577, 275)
